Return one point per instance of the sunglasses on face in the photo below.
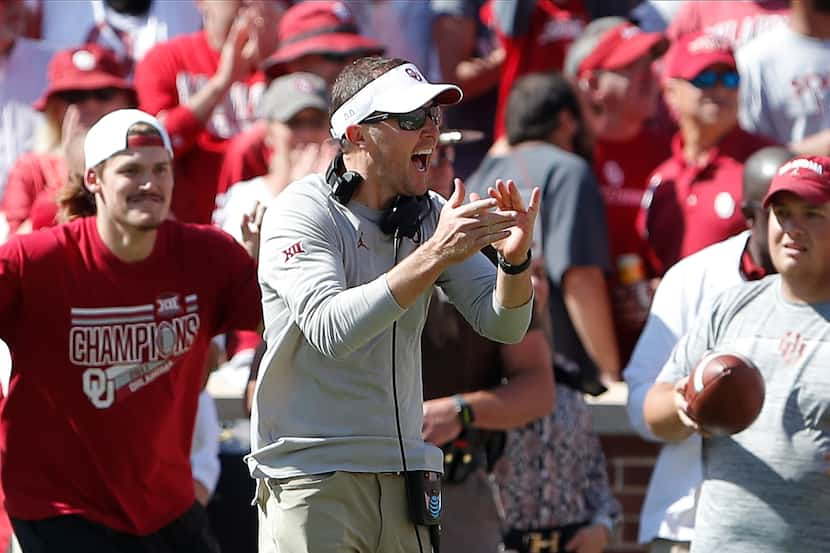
(710, 78)
(412, 121)
(81, 96)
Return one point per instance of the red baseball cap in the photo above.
(84, 67)
(805, 176)
(694, 52)
(622, 45)
(320, 27)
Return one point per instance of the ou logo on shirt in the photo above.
(98, 388)
(724, 205)
(613, 173)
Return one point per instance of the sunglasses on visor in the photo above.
(710, 78)
(411, 121)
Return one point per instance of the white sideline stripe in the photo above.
(113, 320)
(191, 297)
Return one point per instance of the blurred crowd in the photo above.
(637, 118)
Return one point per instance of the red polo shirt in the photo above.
(689, 207)
(622, 169)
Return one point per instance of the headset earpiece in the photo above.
(343, 183)
(404, 217)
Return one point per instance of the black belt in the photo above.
(543, 540)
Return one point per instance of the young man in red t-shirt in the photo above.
(108, 319)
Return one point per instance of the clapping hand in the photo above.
(466, 227)
(250, 227)
(514, 247)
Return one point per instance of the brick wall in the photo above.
(630, 462)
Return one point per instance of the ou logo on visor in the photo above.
(414, 74)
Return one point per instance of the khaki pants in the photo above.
(335, 512)
(668, 546)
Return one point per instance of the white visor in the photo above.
(399, 90)
(108, 136)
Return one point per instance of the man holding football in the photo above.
(766, 489)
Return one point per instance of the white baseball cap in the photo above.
(400, 90)
(108, 136)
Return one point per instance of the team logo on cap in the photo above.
(797, 164)
(341, 11)
(83, 60)
(303, 85)
(630, 32)
(414, 74)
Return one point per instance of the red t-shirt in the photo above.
(541, 47)
(246, 157)
(165, 79)
(31, 176)
(737, 21)
(622, 169)
(108, 363)
(689, 207)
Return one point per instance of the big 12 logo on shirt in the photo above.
(127, 347)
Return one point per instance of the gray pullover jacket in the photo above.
(323, 399)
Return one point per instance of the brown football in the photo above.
(724, 393)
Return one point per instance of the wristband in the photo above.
(514, 269)
(464, 410)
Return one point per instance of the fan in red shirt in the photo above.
(206, 87)
(535, 36)
(85, 83)
(738, 21)
(320, 38)
(610, 67)
(694, 197)
(108, 319)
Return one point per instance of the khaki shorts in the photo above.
(335, 512)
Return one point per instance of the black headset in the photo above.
(403, 218)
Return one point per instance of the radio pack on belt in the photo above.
(423, 488)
